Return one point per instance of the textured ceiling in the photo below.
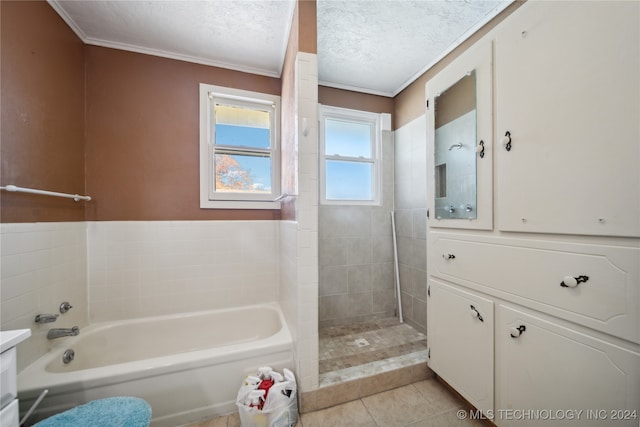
(382, 46)
(374, 46)
(244, 35)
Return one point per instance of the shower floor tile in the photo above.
(352, 351)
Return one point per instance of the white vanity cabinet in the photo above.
(8, 375)
(460, 330)
(557, 267)
(547, 366)
(568, 93)
(594, 285)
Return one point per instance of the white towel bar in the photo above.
(75, 197)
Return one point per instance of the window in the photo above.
(239, 149)
(349, 156)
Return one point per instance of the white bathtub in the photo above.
(187, 366)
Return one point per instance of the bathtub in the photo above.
(187, 366)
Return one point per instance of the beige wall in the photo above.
(410, 103)
(307, 26)
(354, 100)
(456, 101)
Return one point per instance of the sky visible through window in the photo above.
(344, 179)
(257, 168)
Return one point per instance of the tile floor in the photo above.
(351, 345)
(354, 351)
(426, 403)
(370, 351)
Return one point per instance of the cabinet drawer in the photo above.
(530, 272)
(558, 369)
(9, 415)
(8, 384)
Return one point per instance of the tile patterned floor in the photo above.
(350, 346)
(388, 345)
(426, 403)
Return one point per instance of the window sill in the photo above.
(238, 204)
(351, 202)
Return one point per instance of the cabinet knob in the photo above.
(506, 141)
(572, 282)
(475, 313)
(517, 331)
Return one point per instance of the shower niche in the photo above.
(459, 131)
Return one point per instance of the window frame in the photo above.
(209, 198)
(374, 120)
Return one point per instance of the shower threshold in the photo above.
(366, 349)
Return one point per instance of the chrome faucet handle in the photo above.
(65, 306)
(46, 318)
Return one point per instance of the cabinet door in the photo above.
(568, 93)
(460, 336)
(459, 153)
(545, 370)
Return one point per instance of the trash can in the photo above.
(268, 399)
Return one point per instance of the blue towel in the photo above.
(109, 412)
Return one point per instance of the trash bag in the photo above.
(268, 399)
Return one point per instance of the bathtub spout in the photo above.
(62, 332)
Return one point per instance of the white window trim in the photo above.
(376, 153)
(208, 198)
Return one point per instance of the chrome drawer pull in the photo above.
(572, 282)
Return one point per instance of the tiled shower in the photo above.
(356, 255)
(356, 246)
(357, 291)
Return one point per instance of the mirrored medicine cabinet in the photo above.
(454, 150)
(459, 135)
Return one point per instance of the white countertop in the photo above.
(9, 339)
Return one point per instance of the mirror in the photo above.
(455, 150)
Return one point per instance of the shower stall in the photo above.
(359, 328)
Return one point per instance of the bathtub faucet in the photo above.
(62, 332)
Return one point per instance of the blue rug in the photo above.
(109, 412)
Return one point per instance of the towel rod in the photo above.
(75, 197)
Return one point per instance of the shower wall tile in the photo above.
(383, 276)
(333, 252)
(360, 304)
(359, 239)
(359, 221)
(404, 223)
(382, 249)
(410, 203)
(359, 250)
(334, 220)
(381, 222)
(335, 278)
(384, 301)
(146, 268)
(43, 264)
(334, 306)
(359, 279)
